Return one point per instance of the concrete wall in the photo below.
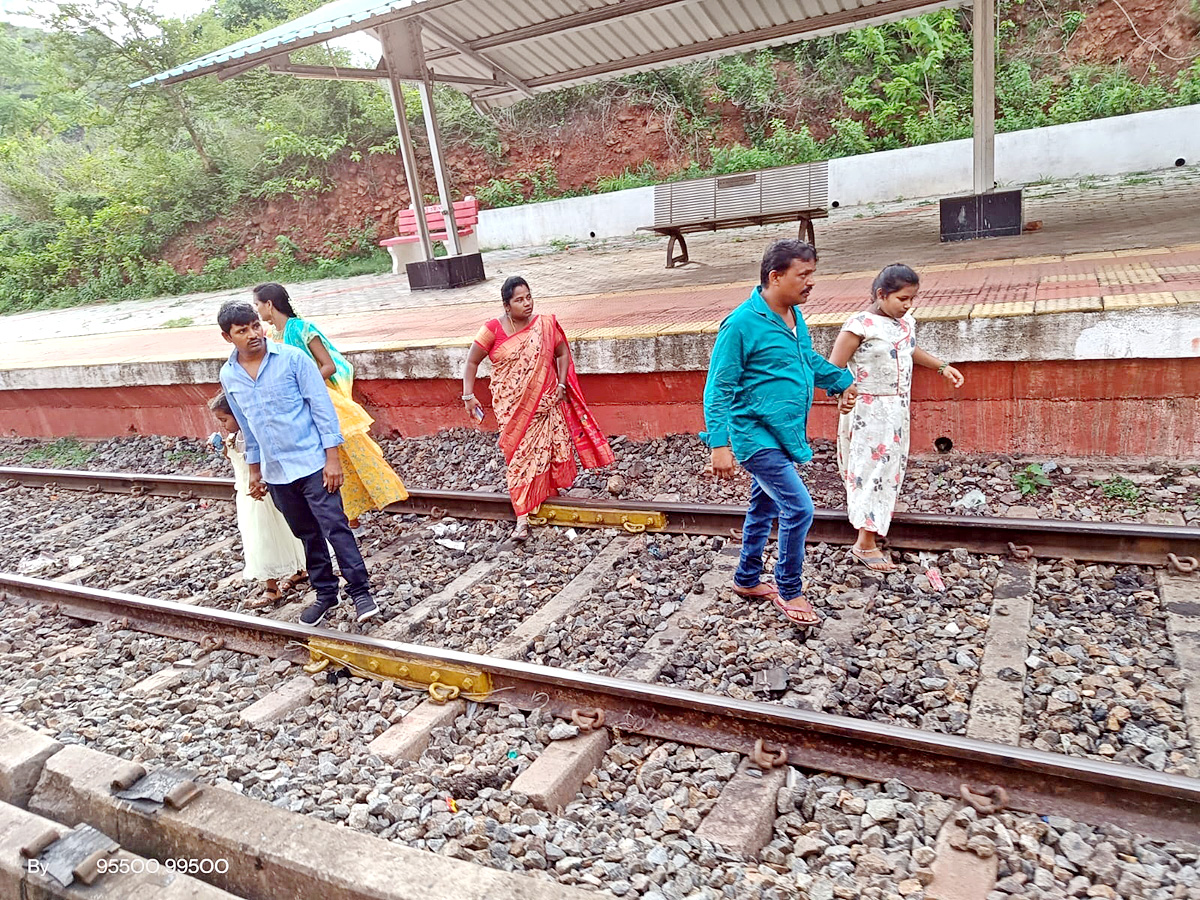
(1136, 143)
(1116, 383)
(1140, 142)
(617, 214)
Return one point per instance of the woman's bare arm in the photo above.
(324, 361)
(843, 348)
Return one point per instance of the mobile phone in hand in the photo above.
(478, 413)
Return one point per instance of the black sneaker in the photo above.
(365, 607)
(315, 612)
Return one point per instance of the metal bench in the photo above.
(405, 247)
(787, 194)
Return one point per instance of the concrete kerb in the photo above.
(127, 877)
(23, 753)
(271, 853)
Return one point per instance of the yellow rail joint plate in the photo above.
(395, 667)
(633, 521)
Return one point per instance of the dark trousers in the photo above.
(316, 516)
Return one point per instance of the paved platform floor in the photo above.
(1103, 243)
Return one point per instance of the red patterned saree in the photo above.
(539, 437)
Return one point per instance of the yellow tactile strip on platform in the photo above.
(1187, 296)
(1136, 301)
(1068, 304)
(707, 327)
(828, 318)
(1134, 273)
(1002, 310)
(955, 311)
(1066, 276)
(1141, 251)
(1176, 270)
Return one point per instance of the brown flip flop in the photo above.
(875, 563)
(805, 616)
(759, 592)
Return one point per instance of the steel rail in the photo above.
(1115, 542)
(1160, 806)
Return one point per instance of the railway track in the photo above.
(1161, 806)
(1139, 544)
(641, 670)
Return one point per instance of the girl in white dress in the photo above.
(270, 549)
(880, 346)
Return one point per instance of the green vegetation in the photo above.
(96, 178)
(1031, 479)
(65, 453)
(1119, 487)
(181, 322)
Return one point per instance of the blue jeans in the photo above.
(316, 516)
(777, 492)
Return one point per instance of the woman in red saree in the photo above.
(544, 421)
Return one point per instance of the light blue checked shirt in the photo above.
(285, 414)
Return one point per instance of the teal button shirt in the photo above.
(760, 383)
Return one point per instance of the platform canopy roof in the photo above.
(501, 51)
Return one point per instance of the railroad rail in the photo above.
(1160, 806)
(1112, 542)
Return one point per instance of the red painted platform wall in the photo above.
(1136, 407)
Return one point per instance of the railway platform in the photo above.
(1081, 337)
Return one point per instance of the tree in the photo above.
(117, 41)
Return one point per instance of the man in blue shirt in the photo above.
(756, 401)
(292, 437)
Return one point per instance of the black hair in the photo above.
(511, 283)
(220, 404)
(892, 279)
(780, 256)
(236, 312)
(277, 295)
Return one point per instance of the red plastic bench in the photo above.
(405, 246)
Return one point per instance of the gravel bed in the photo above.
(1102, 678)
(631, 831)
(526, 577)
(1092, 489)
(412, 557)
(913, 661)
(645, 587)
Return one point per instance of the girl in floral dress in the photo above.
(880, 346)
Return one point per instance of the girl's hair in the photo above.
(892, 278)
(220, 404)
(510, 287)
(277, 296)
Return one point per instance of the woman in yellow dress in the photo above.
(370, 482)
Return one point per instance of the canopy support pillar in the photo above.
(984, 85)
(453, 245)
(397, 46)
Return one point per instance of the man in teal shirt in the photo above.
(756, 401)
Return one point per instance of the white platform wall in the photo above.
(1141, 142)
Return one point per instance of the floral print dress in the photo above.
(872, 448)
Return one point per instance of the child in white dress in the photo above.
(270, 549)
(880, 346)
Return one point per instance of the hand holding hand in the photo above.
(847, 399)
(257, 488)
(722, 462)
